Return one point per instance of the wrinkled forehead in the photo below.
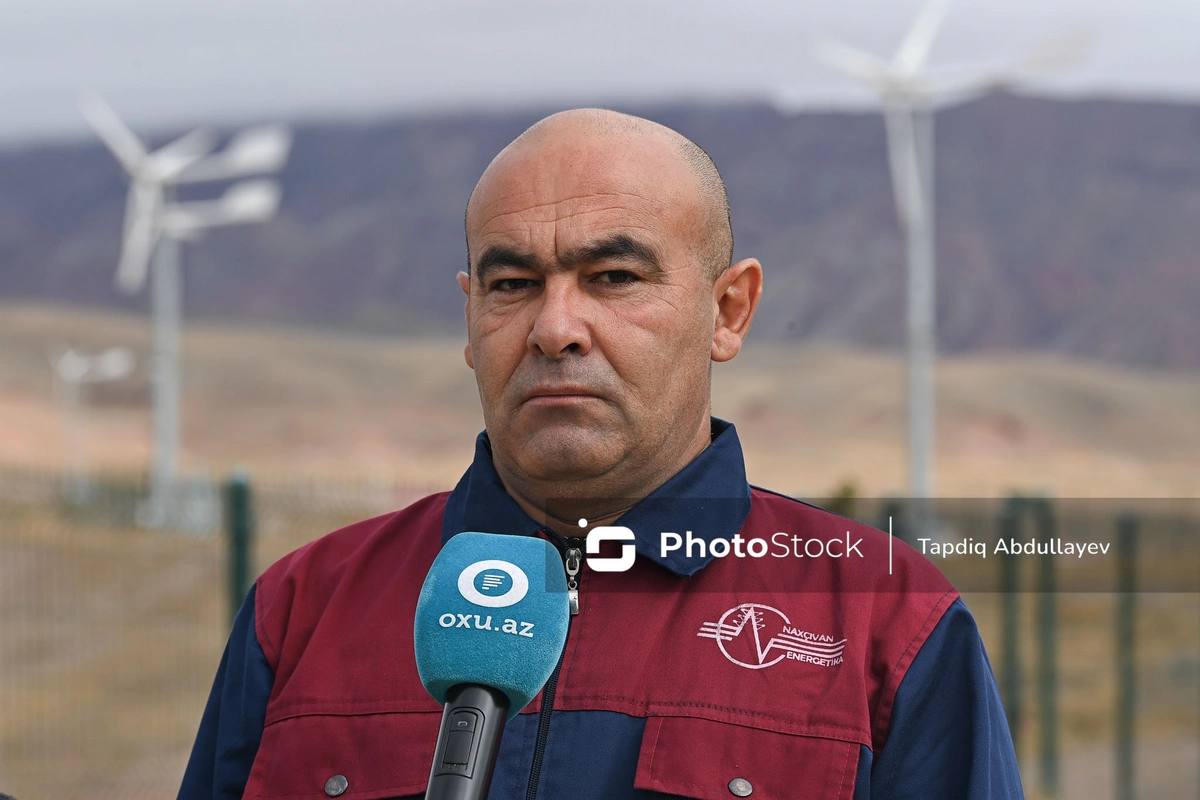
(585, 181)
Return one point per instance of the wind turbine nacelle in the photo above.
(261, 149)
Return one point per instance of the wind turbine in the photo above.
(909, 97)
(72, 371)
(155, 224)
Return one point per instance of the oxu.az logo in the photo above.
(493, 583)
(757, 636)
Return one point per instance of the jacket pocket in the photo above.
(348, 756)
(707, 760)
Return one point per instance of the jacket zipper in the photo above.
(572, 552)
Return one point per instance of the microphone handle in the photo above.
(468, 741)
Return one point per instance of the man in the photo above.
(599, 292)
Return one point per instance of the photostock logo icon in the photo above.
(493, 584)
(610, 533)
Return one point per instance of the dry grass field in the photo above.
(305, 402)
(109, 635)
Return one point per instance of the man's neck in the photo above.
(545, 501)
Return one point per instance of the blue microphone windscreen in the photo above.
(493, 611)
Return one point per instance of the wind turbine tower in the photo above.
(909, 97)
(155, 224)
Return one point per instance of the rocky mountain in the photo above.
(1071, 226)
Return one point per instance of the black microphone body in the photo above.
(468, 740)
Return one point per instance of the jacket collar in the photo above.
(709, 497)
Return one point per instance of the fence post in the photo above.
(893, 510)
(239, 524)
(1010, 657)
(1127, 527)
(1047, 633)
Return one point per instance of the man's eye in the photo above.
(511, 284)
(616, 276)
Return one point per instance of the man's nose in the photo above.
(559, 324)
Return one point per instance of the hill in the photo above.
(1063, 226)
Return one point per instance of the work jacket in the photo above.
(835, 663)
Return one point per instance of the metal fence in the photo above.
(110, 632)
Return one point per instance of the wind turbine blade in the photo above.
(72, 366)
(128, 149)
(186, 221)
(893, 118)
(113, 364)
(1060, 53)
(245, 202)
(168, 161)
(953, 85)
(914, 49)
(261, 149)
(251, 201)
(140, 238)
(902, 158)
(1055, 55)
(786, 100)
(131, 211)
(856, 63)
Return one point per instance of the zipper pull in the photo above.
(573, 562)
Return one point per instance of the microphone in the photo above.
(490, 626)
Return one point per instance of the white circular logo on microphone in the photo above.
(493, 584)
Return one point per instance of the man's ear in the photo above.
(735, 298)
(464, 283)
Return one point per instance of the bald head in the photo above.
(591, 128)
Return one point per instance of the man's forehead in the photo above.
(581, 173)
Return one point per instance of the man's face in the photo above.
(590, 316)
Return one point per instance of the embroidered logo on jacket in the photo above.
(755, 636)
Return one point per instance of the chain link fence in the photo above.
(110, 632)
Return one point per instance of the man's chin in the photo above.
(566, 453)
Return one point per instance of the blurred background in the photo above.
(318, 375)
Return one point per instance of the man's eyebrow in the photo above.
(615, 248)
(618, 247)
(496, 256)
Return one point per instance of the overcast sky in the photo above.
(180, 62)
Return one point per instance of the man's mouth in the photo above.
(551, 395)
